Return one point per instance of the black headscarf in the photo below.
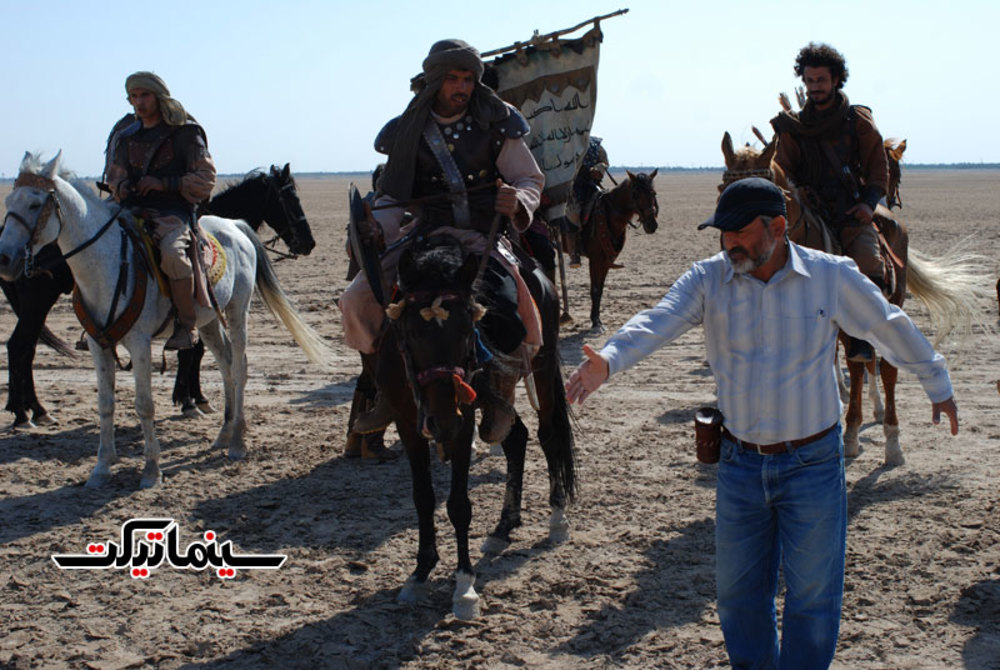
(485, 107)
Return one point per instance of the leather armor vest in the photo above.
(475, 152)
(162, 152)
(826, 181)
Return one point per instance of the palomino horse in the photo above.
(44, 208)
(947, 285)
(603, 234)
(257, 198)
(431, 353)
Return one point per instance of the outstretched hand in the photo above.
(948, 407)
(587, 377)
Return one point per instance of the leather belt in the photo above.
(776, 447)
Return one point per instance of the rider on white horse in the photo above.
(161, 166)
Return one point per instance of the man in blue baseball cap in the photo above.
(771, 310)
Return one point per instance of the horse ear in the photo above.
(768, 153)
(630, 175)
(51, 168)
(652, 175)
(727, 150)
(470, 268)
(285, 171)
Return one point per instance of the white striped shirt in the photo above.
(771, 346)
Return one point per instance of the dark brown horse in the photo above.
(603, 234)
(427, 368)
(945, 285)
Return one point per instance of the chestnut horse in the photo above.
(946, 285)
(603, 234)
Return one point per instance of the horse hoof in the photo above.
(205, 407)
(192, 412)
(45, 420)
(494, 546)
(98, 480)
(465, 602)
(22, 425)
(413, 591)
(151, 481)
(558, 527)
(237, 453)
(496, 449)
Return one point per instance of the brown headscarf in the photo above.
(171, 110)
(812, 123)
(485, 107)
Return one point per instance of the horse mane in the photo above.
(432, 264)
(256, 173)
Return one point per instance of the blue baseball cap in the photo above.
(745, 200)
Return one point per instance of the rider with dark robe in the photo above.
(586, 188)
(161, 167)
(833, 150)
(459, 141)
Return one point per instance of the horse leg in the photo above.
(514, 448)
(20, 381)
(598, 273)
(465, 600)
(852, 446)
(890, 425)
(142, 368)
(873, 395)
(555, 434)
(194, 380)
(182, 384)
(104, 365)
(415, 588)
(231, 361)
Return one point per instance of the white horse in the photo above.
(45, 207)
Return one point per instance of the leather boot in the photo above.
(375, 420)
(185, 334)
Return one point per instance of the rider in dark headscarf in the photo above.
(485, 107)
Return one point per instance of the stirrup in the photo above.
(376, 420)
(183, 338)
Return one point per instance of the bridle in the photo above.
(31, 180)
(278, 193)
(51, 203)
(432, 309)
(729, 176)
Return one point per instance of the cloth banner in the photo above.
(555, 87)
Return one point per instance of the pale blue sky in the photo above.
(311, 82)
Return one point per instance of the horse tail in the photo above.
(53, 341)
(560, 440)
(952, 288)
(280, 306)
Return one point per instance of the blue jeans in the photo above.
(787, 510)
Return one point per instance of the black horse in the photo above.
(426, 368)
(259, 197)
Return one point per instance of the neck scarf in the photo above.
(485, 108)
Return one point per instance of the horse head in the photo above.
(894, 149)
(283, 211)
(33, 217)
(435, 322)
(644, 199)
(747, 161)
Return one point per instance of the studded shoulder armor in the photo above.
(515, 125)
(387, 136)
